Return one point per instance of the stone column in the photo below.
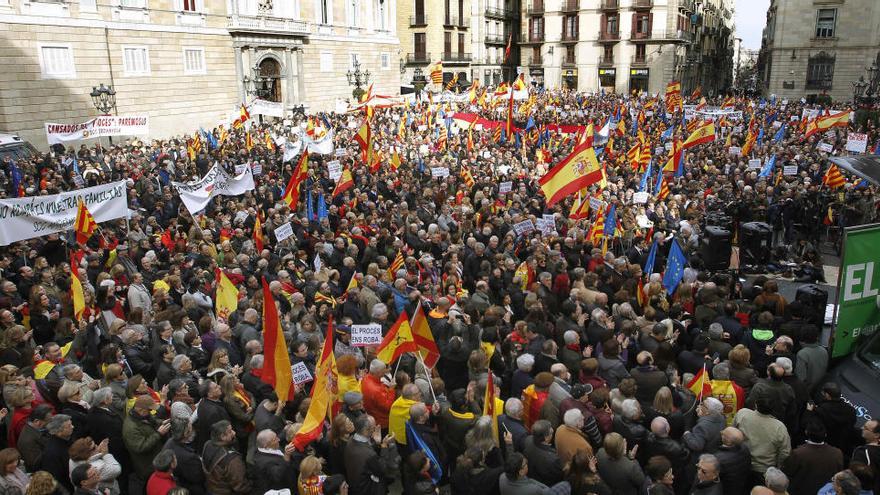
(300, 84)
(239, 73)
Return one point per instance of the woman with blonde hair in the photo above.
(240, 406)
(664, 406)
(340, 432)
(617, 468)
(43, 483)
(15, 347)
(219, 367)
(309, 481)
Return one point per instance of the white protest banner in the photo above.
(546, 227)
(364, 335)
(826, 147)
(596, 203)
(640, 197)
(334, 169)
(790, 170)
(667, 146)
(549, 217)
(505, 187)
(196, 195)
(257, 168)
(240, 216)
(105, 125)
(340, 152)
(755, 163)
(856, 142)
(291, 150)
(487, 154)
(34, 216)
(240, 168)
(734, 150)
(265, 107)
(300, 373)
(523, 227)
(283, 232)
(441, 172)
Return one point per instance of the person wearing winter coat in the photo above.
(708, 481)
(225, 470)
(706, 433)
(515, 480)
(570, 438)
(370, 461)
(188, 471)
(142, 434)
(735, 461)
(618, 468)
(272, 468)
(86, 451)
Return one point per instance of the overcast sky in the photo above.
(751, 15)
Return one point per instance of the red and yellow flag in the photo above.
(300, 172)
(492, 406)
(324, 392)
(424, 338)
(364, 137)
(578, 170)
(398, 340)
(839, 119)
(276, 362)
(833, 178)
(704, 134)
(248, 141)
(258, 234)
(344, 183)
(76, 289)
(85, 224)
(227, 295)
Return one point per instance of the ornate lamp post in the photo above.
(104, 99)
(868, 91)
(258, 85)
(358, 78)
(419, 82)
(859, 88)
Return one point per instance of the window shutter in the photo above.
(603, 25)
(577, 25)
(634, 25)
(650, 24)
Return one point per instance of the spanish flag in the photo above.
(578, 170)
(701, 385)
(398, 340)
(674, 156)
(812, 128)
(324, 392)
(344, 183)
(258, 234)
(526, 273)
(300, 172)
(839, 119)
(76, 289)
(395, 160)
(248, 141)
(270, 143)
(829, 217)
(227, 295)
(492, 406)
(704, 134)
(508, 124)
(244, 116)
(424, 338)
(85, 224)
(833, 178)
(364, 137)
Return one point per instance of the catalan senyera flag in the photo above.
(424, 338)
(467, 177)
(396, 264)
(227, 295)
(76, 289)
(492, 406)
(697, 93)
(270, 143)
(258, 234)
(85, 224)
(839, 119)
(344, 183)
(398, 340)
(704, 134)
(833, 178)
(578, 170)
(751, 138)
(248, 141)
(452, 82)
(437, 73)
(632, 155)
(324, 392)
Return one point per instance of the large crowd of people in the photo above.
(152, 391)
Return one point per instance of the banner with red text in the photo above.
(105, 125)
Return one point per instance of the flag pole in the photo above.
(430, 385)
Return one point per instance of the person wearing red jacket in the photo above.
(378, 396)
(162, 479)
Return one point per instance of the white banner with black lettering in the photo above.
(105, 125)
(196, 195)
(35, 216)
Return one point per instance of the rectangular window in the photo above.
(134, 4)
(569, 55)
(190, 6)
(352, 60)
(643, 25)
(135, 60)
(56, 62)
(194, 61)
(640, 53)
(419, 45)
(352, 12)
(326, 61)
(537, 32)
(570, 27)
(447, 43)
(825, 23)
(324, 13)
(460, 43)
(611, 25)
(820, 71)
(447, 20)
(608, 56)
(385, 60)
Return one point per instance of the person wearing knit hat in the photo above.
(353, 404)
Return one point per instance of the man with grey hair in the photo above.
(56, 457)
(544, 463)
(73, 373)
(717, 345)
(777, 481)
(378, 392)
(182, 368)
(522, 376)
(367, 297)
(570, 438)
(843, 483)
(801, 392)
(629, 423)
(188, 473)
(706, 434)
(546, 295)
(512, 421)
(246, 330)
(735, 461)
(418, 419)
(252, 382)
(272, 467)
(659, 443)
(708, 480)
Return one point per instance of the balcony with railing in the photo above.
(418, 20)
(535, 8)
(259, 23)
(606, 61)
(570, 6)
(569, 37)
(609, 36)
(610, 4)
(639, 60)
(418, 58)
(457, 57)
(496, 13)
(642, 4)
(495, 39)
(686, 5)
(532, 37)
(682, 36)
(536, 61)
(569, 61)
(641, 36)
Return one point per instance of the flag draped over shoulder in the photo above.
(324, 392)
(276, 362)
(85, 224)
(731, 395)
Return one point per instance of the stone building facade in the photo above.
(812, 48)
(432, 31)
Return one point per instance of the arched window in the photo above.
(820, 71)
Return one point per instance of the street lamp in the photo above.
(104, 98)
(419, 82)
(357, 78)
(259, 85)
(867, 91)
(859, 88)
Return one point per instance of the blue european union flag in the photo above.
(322, 207)
(518, 141)
(760, 136)
(611, 221)
(768, 167)
(667, 134)
(863, 184)
(779, 134)
(679, 167)
(674, 267)
(417, 443)
(16, 178)
(652, 258)
(310, 213)
(643, 186)
(530, 124)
